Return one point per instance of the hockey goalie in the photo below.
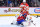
(23, 17)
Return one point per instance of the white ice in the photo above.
(7, 20)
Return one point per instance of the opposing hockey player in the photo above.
(24, 8)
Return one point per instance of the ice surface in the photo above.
(7, 20)
(9, 26)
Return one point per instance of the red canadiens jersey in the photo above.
(20, 18)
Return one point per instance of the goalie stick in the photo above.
(33, 23)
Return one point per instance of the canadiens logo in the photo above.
(37, 10)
